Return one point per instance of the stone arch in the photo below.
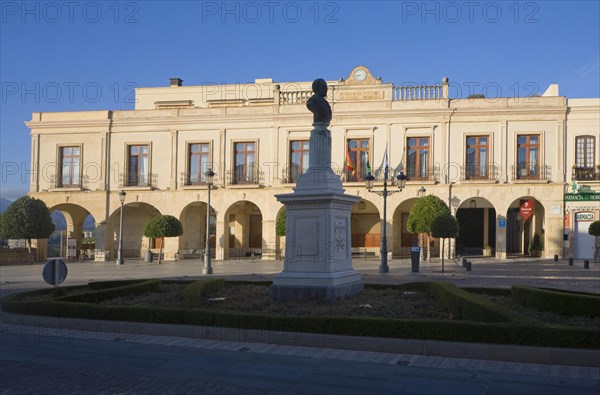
(365, 227)
(135, 217)
(519, 231)
(402, 240)
(67, 240)
(193, 219)
(477, 219)
(243, 230)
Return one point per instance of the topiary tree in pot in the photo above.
(163, 226)
(444, 226)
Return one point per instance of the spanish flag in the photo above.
(349, 165)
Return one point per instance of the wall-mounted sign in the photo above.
(502, 223)
(360, 95)
(584, 216)
(526, 209)
(582, 197)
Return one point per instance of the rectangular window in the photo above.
(245, 165)
(477, 159)
(417, 158)
(70, 158)
(585, 152)
(528, 157)
(357, 158)
(198, 164)
(298, 159)
(137, 171)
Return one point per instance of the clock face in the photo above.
(360, 74)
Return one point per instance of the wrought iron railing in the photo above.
(138, 180)
(69, 182)
(585, 174)
(245, 175)
(431, 174)
(188, 179)
(528, 171)
(475, 172)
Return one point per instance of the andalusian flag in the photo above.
(349, 165)
(386, 158)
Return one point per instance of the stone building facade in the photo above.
(485, 157)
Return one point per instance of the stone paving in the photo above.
(54, 364)
(485, 272)
(390, 358)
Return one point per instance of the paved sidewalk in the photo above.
(485, 272)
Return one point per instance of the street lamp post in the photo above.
(120, 259)
(369, 179)
(209, 181)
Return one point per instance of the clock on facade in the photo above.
(360, 75)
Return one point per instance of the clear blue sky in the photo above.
(61, 56)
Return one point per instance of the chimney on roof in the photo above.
(175, 82)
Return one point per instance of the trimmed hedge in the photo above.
(194, 293)
(511, 331)
(95, 285)
(137, 288)
(489, 291)
(565, 303)
(465, 305)
(465, 331)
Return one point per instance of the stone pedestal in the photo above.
(318, 259)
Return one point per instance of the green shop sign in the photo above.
(582, 197)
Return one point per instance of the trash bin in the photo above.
(415, 255)
(148, 257)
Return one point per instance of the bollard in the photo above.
(586, 264)
(468, 266)
(570, 261)
(555, 258)
(464, 262)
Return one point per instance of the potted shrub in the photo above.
(535, 250)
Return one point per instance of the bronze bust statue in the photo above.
(317, 104)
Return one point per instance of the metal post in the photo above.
(207, 267)
(383, 267)
(120, 260)
(369, 179)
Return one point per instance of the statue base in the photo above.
(301, 286)
(318, 259)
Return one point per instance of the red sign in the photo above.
(526, 209)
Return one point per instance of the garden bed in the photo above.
(434, 311)
(252, 298)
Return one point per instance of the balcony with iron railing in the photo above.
(136, 180)
(522, 171)
(424, 175)
(586, 173)
(244, 175)
(476, 172)
(68, 182)
(192, 179)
